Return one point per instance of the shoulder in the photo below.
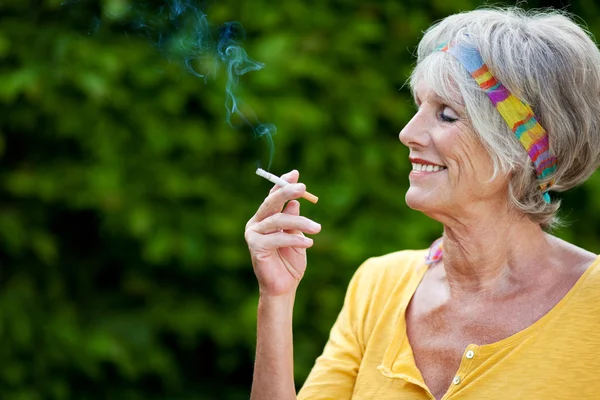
(379, 276)
(397, 264)
(592, 276)
(383, 283)
(569, 254)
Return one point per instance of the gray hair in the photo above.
(546, 60)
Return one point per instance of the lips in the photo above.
(427, 168)
(421, 165)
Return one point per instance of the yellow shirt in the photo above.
(368, 355)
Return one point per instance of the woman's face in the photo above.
(450, 167)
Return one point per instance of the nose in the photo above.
(414, 134)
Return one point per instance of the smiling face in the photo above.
(451, 168)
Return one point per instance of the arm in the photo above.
(275, 236)
(274, 365)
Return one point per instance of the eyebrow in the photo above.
(435, 97)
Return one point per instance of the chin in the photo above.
(417, 200)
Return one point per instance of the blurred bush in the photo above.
(124, 194)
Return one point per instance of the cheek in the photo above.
(455, 149)
(465, 156)
(480, 161)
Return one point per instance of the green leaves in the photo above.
(125, 194)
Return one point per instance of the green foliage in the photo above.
(124, 194)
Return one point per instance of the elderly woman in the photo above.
(508, 110)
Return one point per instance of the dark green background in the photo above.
(124, 194)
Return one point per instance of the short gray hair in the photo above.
(546, 60)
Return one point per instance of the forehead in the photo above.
(436, 78)
(422, 92)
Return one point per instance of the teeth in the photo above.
(427, 168)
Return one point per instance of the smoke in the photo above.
(180, 29)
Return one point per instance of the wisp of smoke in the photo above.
(181, 30)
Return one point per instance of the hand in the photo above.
(276, 240)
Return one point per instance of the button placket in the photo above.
(465, 365)
(469, 356)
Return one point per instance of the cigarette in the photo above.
(280, 182)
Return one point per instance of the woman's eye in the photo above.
(447, 115)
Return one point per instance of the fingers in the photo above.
(292, 208)
(279, 239)
(286, 222)
(291, 177)
(274, 202)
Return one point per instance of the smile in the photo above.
(427, 168)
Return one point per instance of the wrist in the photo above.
(276, 300)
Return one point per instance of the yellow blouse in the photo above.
(368, 355)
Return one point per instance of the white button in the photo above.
(456, 380)
(470, 354)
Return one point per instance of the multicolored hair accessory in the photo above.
(518, 115)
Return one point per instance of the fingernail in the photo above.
(299, 187)
(308, 240)
(315, 225)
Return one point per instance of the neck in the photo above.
(493, 253)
